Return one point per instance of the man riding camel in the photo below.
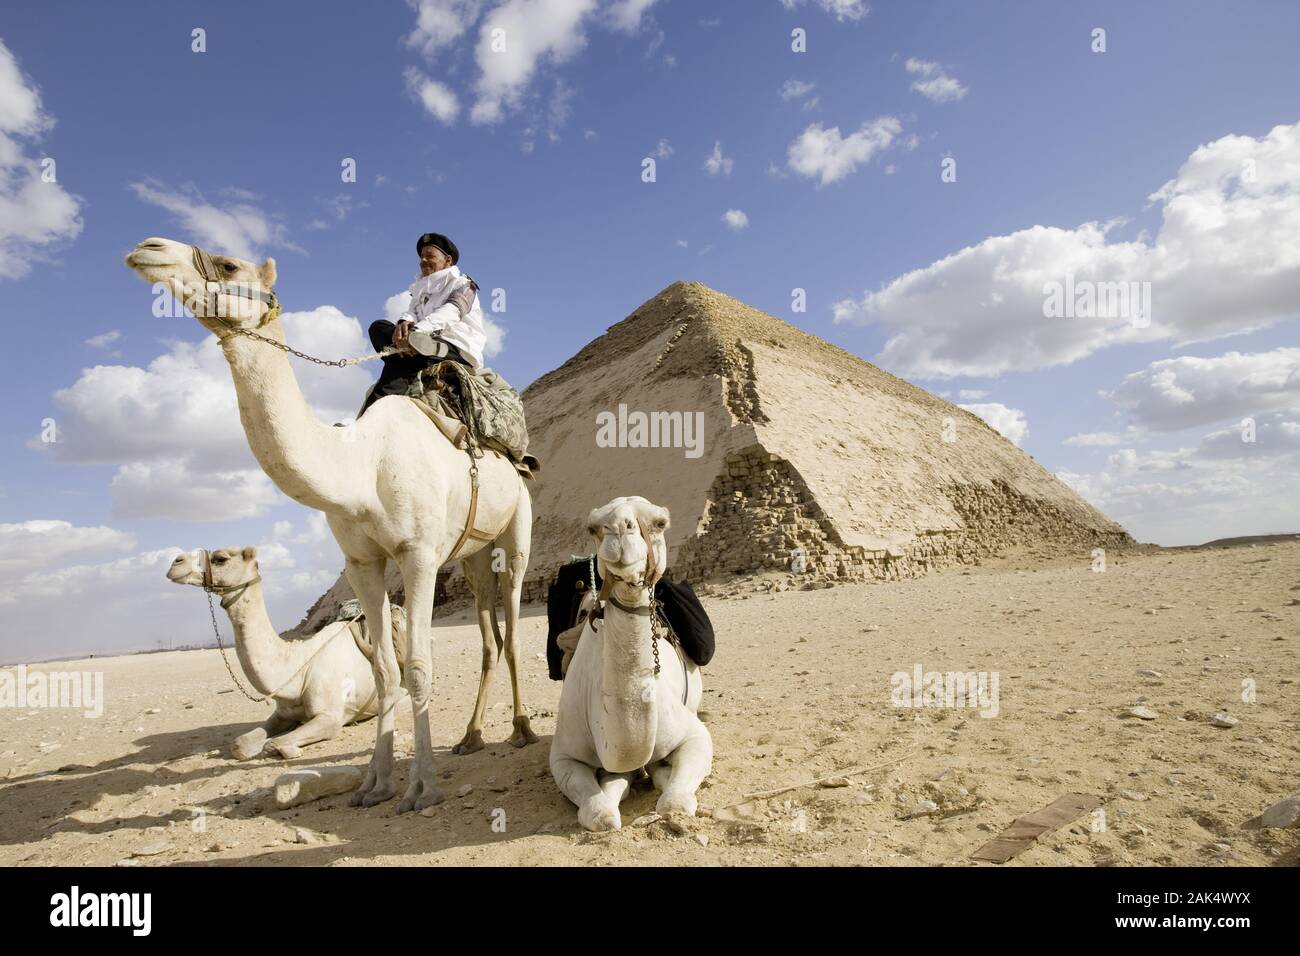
(443, 322)
(444, 326)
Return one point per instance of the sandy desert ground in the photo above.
(799, 690)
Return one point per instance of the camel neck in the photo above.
(628, 693)
(627, 646)
(267, 659)
(303, 456)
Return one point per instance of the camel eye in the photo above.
(219, 559)
(176, 560)
(230, 267)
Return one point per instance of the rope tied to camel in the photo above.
(331, 363)
(230, 670)
(225, 590)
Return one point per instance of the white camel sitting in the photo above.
(391, 487)
(630, 697)
(319, 684)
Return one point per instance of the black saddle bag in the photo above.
(680, 607)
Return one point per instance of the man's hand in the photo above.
(402, 336)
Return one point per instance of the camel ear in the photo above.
(596, 521)
(250, 553)
(267, 273)
(651, 517)
(659, 521)
(653, 522)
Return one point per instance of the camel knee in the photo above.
(518, 565)
(419, 680)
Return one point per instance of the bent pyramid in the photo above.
(804, 446)
(808, 455)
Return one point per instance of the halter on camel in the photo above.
(206, 267)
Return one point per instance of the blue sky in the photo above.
(531, 159)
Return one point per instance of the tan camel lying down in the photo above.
(319, 684)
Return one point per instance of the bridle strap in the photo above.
(224, 589)
(207, 268)
(641, 610)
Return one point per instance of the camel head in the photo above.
(230, 567)
(222, 292)
(629, 535)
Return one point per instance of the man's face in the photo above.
(433, 259)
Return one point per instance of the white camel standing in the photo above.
(630, 698)
(319, 685)
(390, 485)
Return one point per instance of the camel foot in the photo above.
(599, 813)
(676, 803)
(523, 735)
(471, 742)
(249, 745)
(373, 791)
(420, 794)
(285, 749)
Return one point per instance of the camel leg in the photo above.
(367, 580)
(691, 763)
(252, 743)
(419, 573)
(517, 541)
(615, 786)
(320, 727)
(596, 809)
(478, 573)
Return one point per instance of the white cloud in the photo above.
(663, 150)
(735, 219)
(34, 215)
(237, 228)
(127, 603)
(934, 84)
(1187, 391)
(438, 99)
(625, 15)
(840, 9)
(972, 394)
(1225, 261)
(118, 605)
(1099, 439)
(1223, 488)
(173, 427)
(794, 89)
(439, 23)
(104, 339)
(29, 546)
(173, 488)
(716, 163)
(514, 41)
(1272, 435)
(1008, 422)
(824, 154)
(534, 32)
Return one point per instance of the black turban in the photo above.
(438, 240)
